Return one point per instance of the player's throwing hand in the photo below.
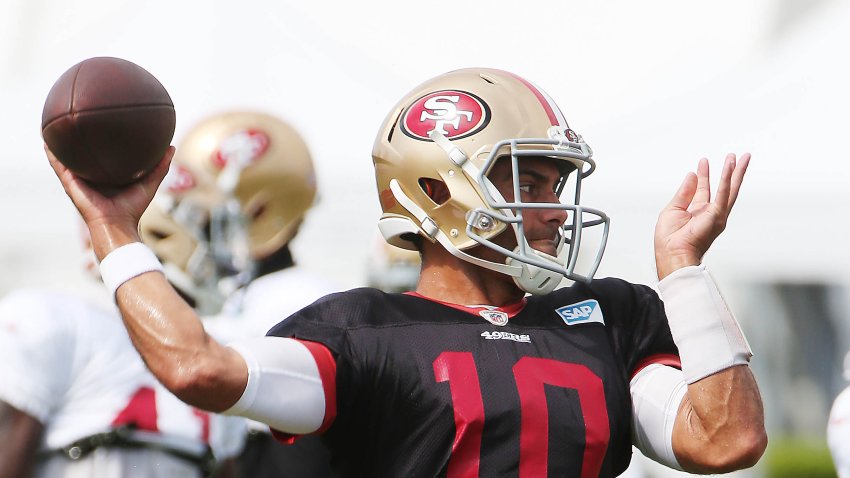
(120, 206)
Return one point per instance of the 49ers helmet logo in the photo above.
(455, 114)
(244, 146)
(179, 180)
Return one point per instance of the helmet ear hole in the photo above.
(158, 234)
(258, 211)
(435, 189)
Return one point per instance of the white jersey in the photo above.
(267, 300)
(69, 363)
(838, 433)
(262, 304)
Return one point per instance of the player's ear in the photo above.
(435, 189)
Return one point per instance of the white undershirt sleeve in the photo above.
(657, 392)
(709, 340)
(285, 388)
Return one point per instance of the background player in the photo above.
(471, 168)
(838, 427)
(77, 401)
(236, 196)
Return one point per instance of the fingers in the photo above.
(69, 181)
(152, 180)
(58, 167)
(126, 201)
(730, 181)
(162, 168)
(724, 188)
(683, 197)
(695, 190)
(703, 191)
(738, 178)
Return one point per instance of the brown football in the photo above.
(108, 120)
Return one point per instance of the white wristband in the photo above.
(708, 336)
(126, 262)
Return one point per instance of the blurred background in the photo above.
(652, 86)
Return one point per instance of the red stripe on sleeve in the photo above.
(327, 372)
(663, 359)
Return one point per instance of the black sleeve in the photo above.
(327, 320)
(639, 328)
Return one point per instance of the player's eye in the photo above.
(559, 186)
(527, 190)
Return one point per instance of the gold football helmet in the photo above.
(239, 187)
(263, 163)
(452, 129)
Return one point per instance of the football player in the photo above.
(76, 399)
(222, 223)
(838, 427)
(470, 376)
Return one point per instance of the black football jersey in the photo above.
(427, 389)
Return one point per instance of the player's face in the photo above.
(539, 181)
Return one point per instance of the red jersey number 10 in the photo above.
(530, 375)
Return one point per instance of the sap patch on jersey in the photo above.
(581, 313)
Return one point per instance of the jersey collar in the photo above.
(511, 309)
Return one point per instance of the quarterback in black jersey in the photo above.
(533, 369)
(487, 368)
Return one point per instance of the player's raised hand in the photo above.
(691, 221)
(115, 210)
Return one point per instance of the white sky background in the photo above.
(652, 86)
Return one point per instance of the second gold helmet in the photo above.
(261, 162)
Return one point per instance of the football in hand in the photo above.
(108, 120)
